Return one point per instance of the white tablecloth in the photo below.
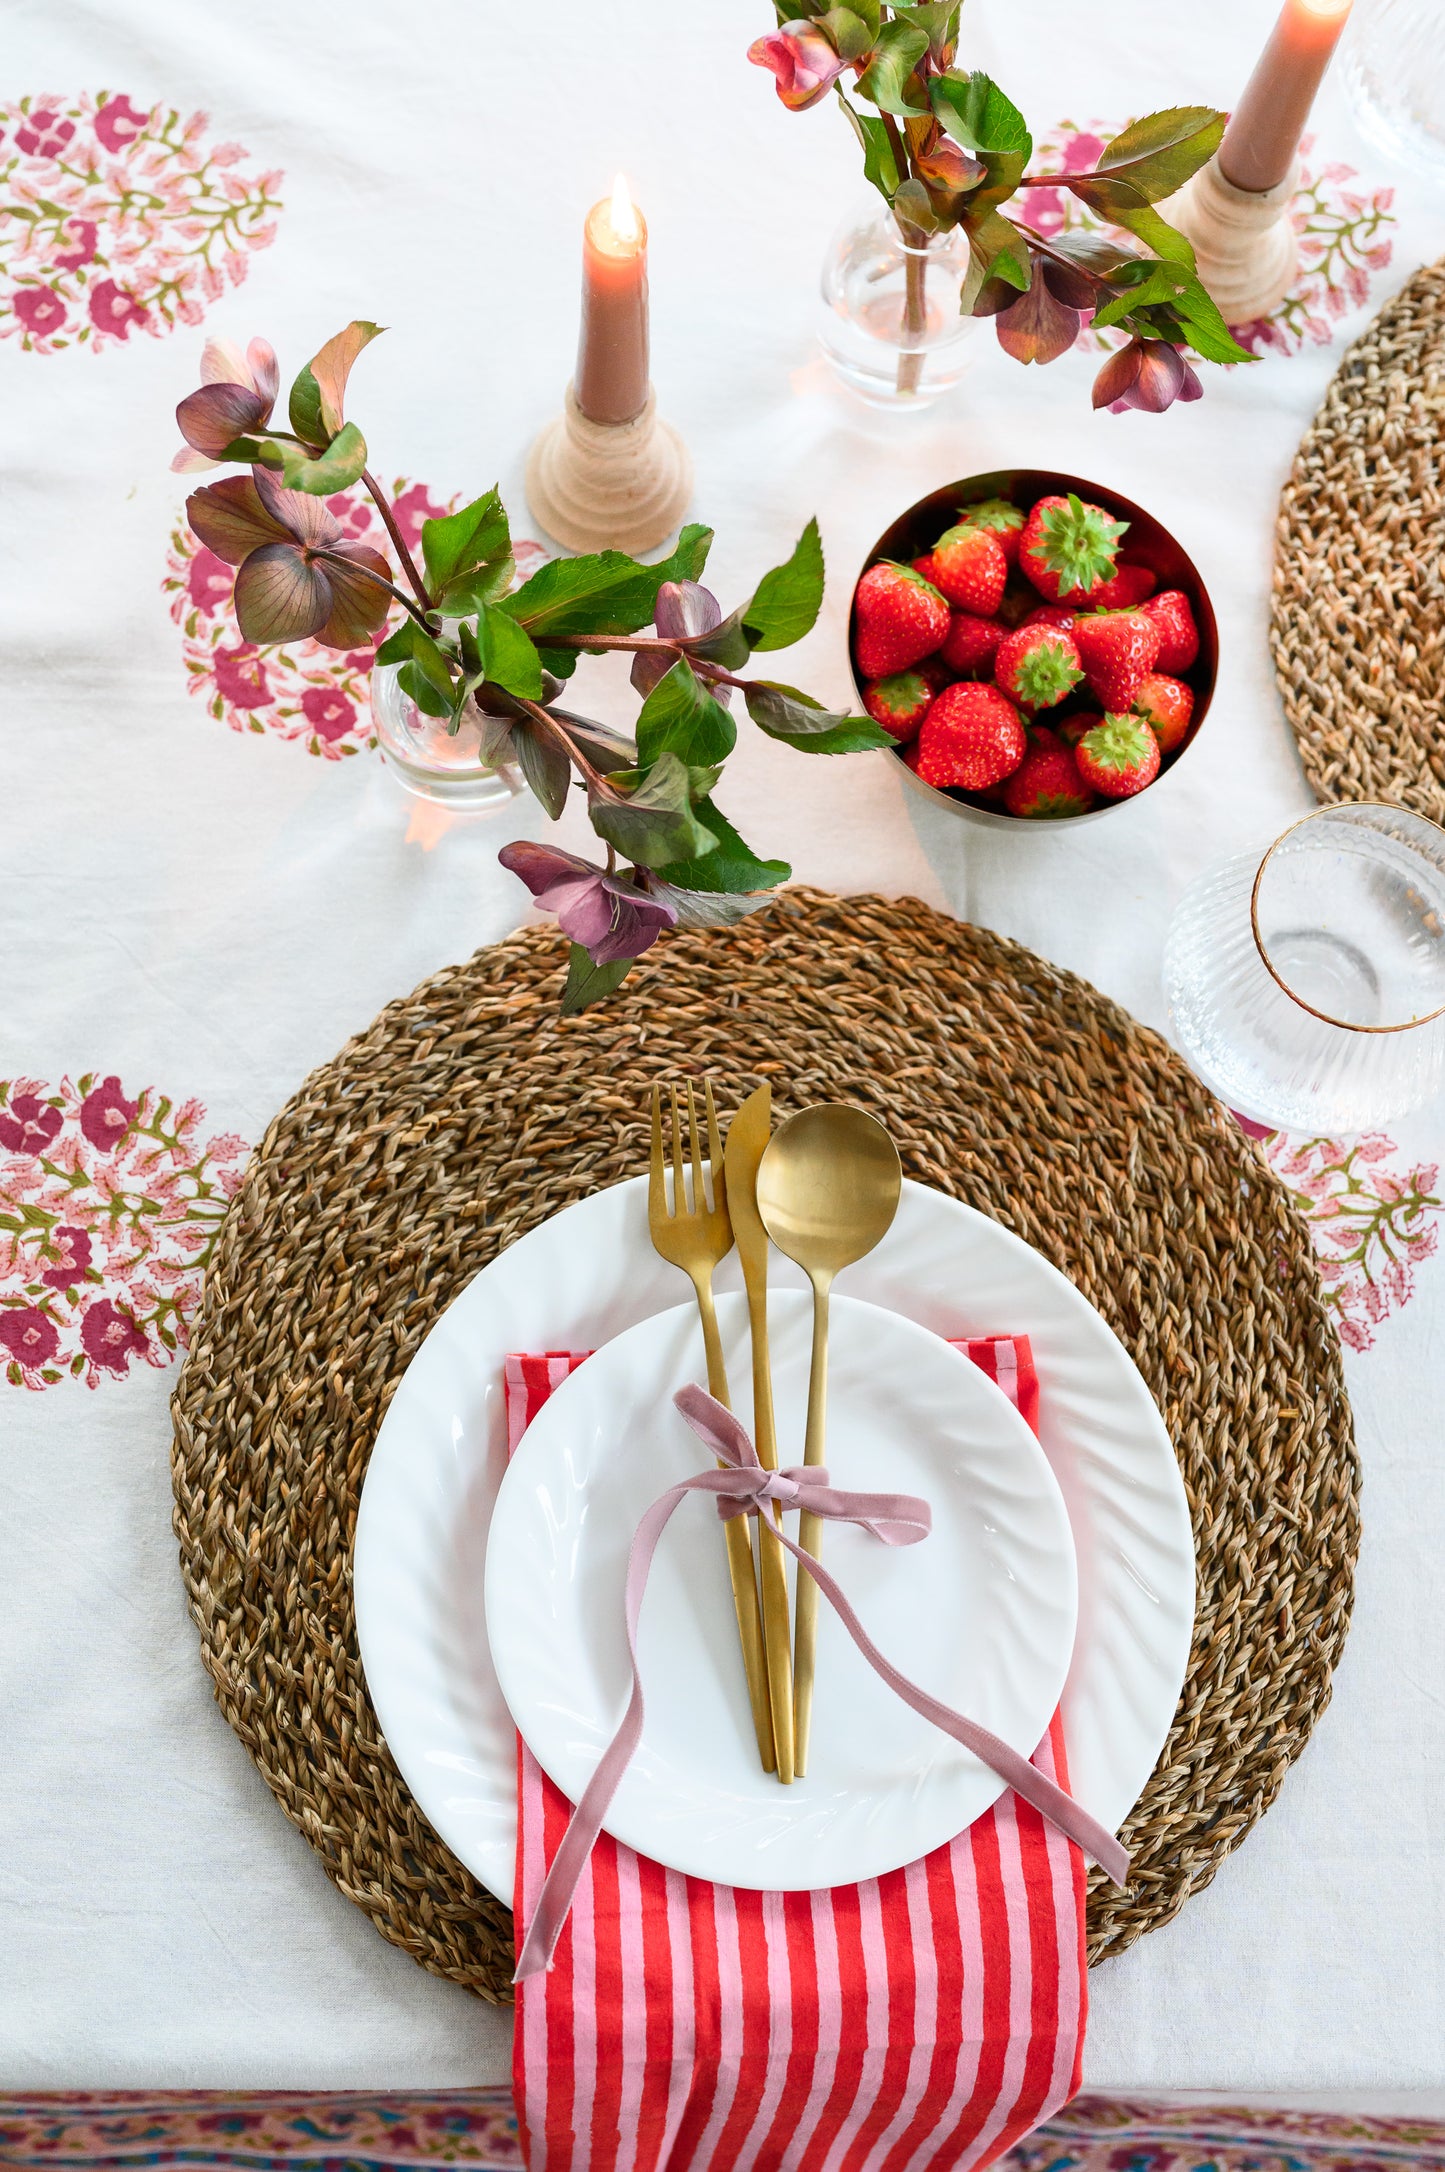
(209, 913)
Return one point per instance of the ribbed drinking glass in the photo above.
(1394, 64)
(1307, 987)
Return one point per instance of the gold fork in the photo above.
(695, 1238)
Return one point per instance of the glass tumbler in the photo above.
(1394, 64)
(891, 326)
(1307, 988)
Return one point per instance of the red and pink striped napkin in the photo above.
(928, 2018)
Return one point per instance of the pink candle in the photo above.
(611, 384)
(1264, 132)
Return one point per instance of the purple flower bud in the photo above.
(1149, 374)
(236, 396)
(607, 914)
(803, 60)
(683, 608)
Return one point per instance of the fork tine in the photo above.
(679, 1181)
(714, 1144)
(656, 1179)
(694, 1142)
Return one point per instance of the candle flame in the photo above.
(1329, 11)
(623, 213)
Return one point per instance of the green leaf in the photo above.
(304, 408)
(938, 20)
(331, 367)
(655, 824)
(1157, 154)
(588, 983)
(996, 250)
(787, 601)
(322, 474)
(603, 591)
(784, 713)
(544, 764)
(897, 53)
(1120, 204)
(510, 659)
(978, 115)
(681, 717)
(1151, 282)
(731, 866)
(410, 647)
(851, 37)
(477, 538)
(913, 208)
(727, 644)
(414, 682)
(560, 662)
(710, 908)
(1200, 316)
(605, 748)
(880, 167)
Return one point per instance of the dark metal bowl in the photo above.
(1148, 542)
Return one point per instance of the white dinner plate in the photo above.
(590, 1272)
(980, 1613)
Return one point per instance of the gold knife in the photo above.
(748, 1135)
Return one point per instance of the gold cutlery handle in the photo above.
(739, 1546)
(810, 1533)
(772, 1561)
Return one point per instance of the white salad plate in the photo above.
(590, 1273)
(980, 1613)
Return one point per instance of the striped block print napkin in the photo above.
(928, 2018)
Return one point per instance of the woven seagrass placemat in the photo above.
(468, 1112)
(1359, 602)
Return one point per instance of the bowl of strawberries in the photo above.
(1039, 647)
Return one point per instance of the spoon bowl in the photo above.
(828, 1187)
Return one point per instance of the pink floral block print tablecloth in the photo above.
(208, 880)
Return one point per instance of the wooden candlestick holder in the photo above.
(601, 485)
(1245, 243)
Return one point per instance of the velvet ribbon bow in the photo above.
(743, 1488)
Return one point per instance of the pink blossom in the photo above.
(40, 310)
(106, 1116)
(73, 1245)
(44, 134)
(1425, 1176)
(30, 1124)
(1044, 210)
(29, 1335)
(241, 676)
(81, 245)
(804, 61)
(114, 311)
(607, 914)
(331, 714)
(110, 1338)
(1083, 152)
(227, 154)
(1353, 1335)
(117, 123)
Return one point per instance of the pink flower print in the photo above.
(331, 714)
(1045, 211)
(73, 1246)
(30, 1125)
(40, 310)
(80, 237)
(109, 1338)
(113, 310)
(29, 1335)
(241, 676)
(44, 134)
(210, 581)
(106, 1116)
(412, 508)
(117, 123)
(1082, 152)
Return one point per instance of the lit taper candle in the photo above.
(1265, 128)
(608, 471)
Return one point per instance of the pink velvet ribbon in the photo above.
(741, 1489)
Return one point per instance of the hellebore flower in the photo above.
(682, 608)
(237, 394)
(300, 574)
(607, 914)
(1038, 326)
(804, 61)
(1148, 374)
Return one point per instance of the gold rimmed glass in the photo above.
(1307, 986)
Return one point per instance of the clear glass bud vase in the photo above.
(1394, 68)
(431, 760)
(891, 325)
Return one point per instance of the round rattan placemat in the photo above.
(1359, 604)
(468, 1112)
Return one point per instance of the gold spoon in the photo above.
(828, 1189)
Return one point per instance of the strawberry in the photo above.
(970, 568)
(971, 738)
(899, 704)
(1128, 585)
(971, 646)
(1002, 519)
(1166, 706)
(1118, 757)
(1047, 783)
(1069, 546)
(924, 565)
(1117, 649)
(1072, 728)
(1037, 665)
(1178, 634)
(1053, 614)
(900, 620)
